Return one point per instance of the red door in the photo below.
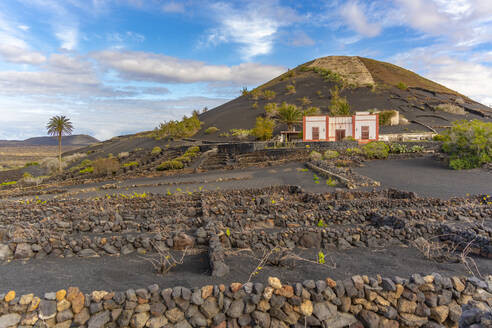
(364, 132)
(339, 135)
(315, 133)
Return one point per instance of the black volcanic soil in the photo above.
(428, 177)
(134, 271)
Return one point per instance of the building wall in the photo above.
(366, 120)
(314, 121)
(339, 123)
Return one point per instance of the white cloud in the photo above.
(68, 37)
(253, 26)
(164, 69)
(23, 27)
(355, 17)
(471, 78)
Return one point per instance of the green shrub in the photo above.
(240, 133)
(396, 148)
(376, 149)
(326, 74)
(416, 149)
(271, 109)
(8, 183)
(263, 129)
(27, 175)
(130, 164)
(291, 89)
(269, 94)
(385, 117)
(255, 94)
(468, 144)
(156, 150)
(185, 128)
(170, 165)
(402, 86)
(88, 169)
(354, 151)
(211, 130)
(244, 91)
(305, 101)
(331, 182)
(315, 156)
(330, 154)
(339, 106)
(31, 164)
(255, 105)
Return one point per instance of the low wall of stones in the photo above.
(359, 301)
(291, 217)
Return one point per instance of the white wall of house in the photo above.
(315, 121)
(369, 120)
(339, 123)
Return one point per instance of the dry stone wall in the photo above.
(420, 301)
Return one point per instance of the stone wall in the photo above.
(344, 219)
(356, 302)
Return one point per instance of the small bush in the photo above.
(156, 150)
(263, 129)
(331, 182)
(8, 183)
(31, 164)
(185, 128)
(353, 151)
(402, 86)
(255, 94)
(211, 130)
(271, 109)
(305, 101)
(244, 91)
(130, 164)
(255, 105)
(291, 89)
(385, 117)
(468, 144)
(416, 149)
(240, 133)
(170, 165)
(269, 95)
(88, 169)
(339, 105)
(315, 156)
(106, 165)
(330, 154)
(319, 93)
(396, 148)
(450, 108)
(376, 150)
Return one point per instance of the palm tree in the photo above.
(57, 126)
(289, 115)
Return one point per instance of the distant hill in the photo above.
(73, 140)
(366, 83)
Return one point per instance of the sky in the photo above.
(122, 66)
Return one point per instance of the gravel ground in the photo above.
(133, 271)
(428, 177)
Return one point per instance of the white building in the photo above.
(363, 126)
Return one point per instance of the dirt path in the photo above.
(133, 271)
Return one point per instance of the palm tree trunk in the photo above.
(59, 152)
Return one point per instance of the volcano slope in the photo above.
(367, 84)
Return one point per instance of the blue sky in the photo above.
(123, 66)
